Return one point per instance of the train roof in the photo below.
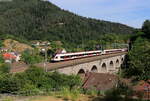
(63, 54)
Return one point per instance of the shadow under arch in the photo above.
(117, 61)
(81, 71)
(122, 59)
(111, 64)
(94, 69)
(104, 67)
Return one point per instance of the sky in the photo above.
(129, 12)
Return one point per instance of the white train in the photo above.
(111, 51)
(77, 55)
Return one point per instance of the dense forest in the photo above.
(41, 20)
(138, 58)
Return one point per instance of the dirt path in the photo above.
(41, 98)
(51, 98)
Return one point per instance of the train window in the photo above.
(62, 56)
(56, 57)
(71, 56)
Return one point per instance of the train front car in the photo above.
(56, 58)
(76, 55)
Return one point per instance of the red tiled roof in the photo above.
(9, 56)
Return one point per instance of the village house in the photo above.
(142, 89)
(60, 51)
(2, 50)
(40, 43)
(10, 57)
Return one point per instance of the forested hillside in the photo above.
(138, 58)
(36, 19)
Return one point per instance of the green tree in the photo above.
(30, 58)
(8, 83)
(40, 20)
(1, 43)
(35, 75)
(35, 80)
(5, 68)
(146, 28)
(139, 60)
(1, 59)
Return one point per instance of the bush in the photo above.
(112, 95)
(35, 81)
(29, 89)
(30, 58)
(35, 75)
(65, 92)
(68, 94)
(1, 59)
(9, 83)
(66, 81)
(91, 92)
(75, 94)
(4, 68)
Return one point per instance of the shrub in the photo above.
(112, 95)
(29, 89)
(35, 81)
(65, 80)
(30, 58)
(35, 75)
(9, 83)
(4, 68)
(1, 59)
(68, 94)
(75, 94)
(65, 92)
(92, 92)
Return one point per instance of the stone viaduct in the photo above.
(101, 64)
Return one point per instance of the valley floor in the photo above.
(44, 98)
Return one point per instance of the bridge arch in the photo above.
(117, 62)
(111, 64)
(104, 67)
(81, 71)
(122, 59)
(94, 69)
